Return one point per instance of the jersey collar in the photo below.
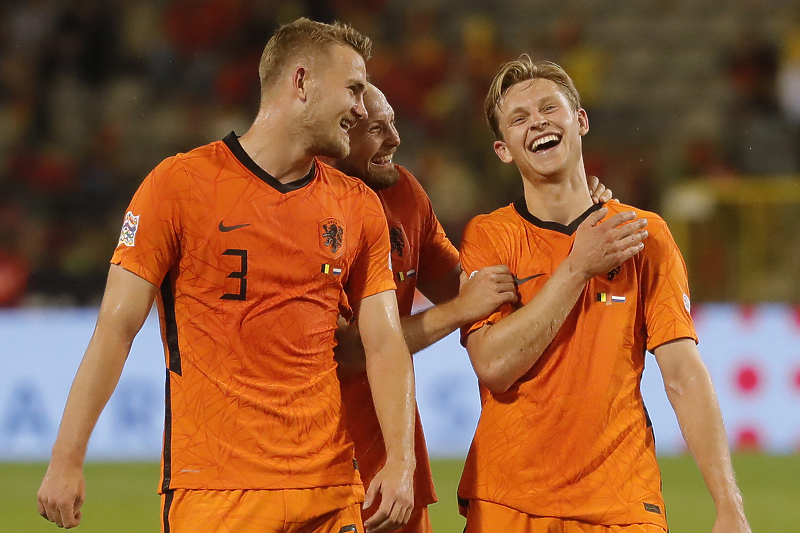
(232, 142)
(522, 210)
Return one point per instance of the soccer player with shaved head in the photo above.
(422, 258)
(252, 248)
(564, 442)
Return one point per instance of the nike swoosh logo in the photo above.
(520, 281)
(223, 227)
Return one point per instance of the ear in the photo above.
(583, 122)
(300, 82)
(502, 152)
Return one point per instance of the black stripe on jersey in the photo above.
(168, 497)
(167, 473)
(170, 326)
(522, 210)
(231, 140)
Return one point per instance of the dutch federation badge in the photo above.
(129, 228)
(331, 236)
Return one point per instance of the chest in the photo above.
(247, 240)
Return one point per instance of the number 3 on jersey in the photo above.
(240, 274)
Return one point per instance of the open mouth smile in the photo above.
(382, 160)
(542, 144)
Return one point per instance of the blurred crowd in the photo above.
(94, 93)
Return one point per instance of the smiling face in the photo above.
(540, 129)
(373, 142)
(335, 91)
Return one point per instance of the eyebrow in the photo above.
(358, 84)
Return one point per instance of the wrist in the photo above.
(401, 460)
(67, 457)
(574, 272)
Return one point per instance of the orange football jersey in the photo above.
(571, 438)
(251, 273)
(420, 251)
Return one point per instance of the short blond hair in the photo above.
(520, 70)
(306, 37)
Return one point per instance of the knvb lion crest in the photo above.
(397, 239)
(332, 235)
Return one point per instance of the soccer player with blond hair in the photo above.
(252, 248)
(564, 442)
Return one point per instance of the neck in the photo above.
(559, 200)
(276, 145)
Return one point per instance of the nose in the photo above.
(393, 138)
(539, 123)
(359, 109)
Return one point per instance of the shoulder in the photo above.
(407, 193)
(197, 163)
(504, 220)
(339, 180)
(660, 243)
(407, 180)
(655, 223)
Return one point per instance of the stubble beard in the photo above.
(324, 141)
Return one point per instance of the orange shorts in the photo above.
(483, 516)
(420, 521)
(317, 510)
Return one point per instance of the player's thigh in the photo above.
(485, 517)
(347, 520)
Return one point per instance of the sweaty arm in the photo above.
(478, 297)
(391, 378)
(126, 304)
(692, 396)
(503, 352)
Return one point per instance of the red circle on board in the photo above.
(748, 379)
(748, 439)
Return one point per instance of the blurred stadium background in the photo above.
(694, 108)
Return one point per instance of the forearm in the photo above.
(419, 331)
(94, 383)
(427, 327)
(696, 407)
(391, 379)
(509, 348)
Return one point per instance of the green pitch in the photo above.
(122, 497)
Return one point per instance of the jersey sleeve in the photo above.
(437, 255)
(149, 242)
(371, 272)
(665, 290)
(480, 248)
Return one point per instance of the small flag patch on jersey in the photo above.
(329, 269)
(129, 228)
(402, 276)
(609, 298)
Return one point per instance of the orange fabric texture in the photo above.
(571, 438)
(320, 510)
(486, 516)
(251, 274)
(420, 251)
